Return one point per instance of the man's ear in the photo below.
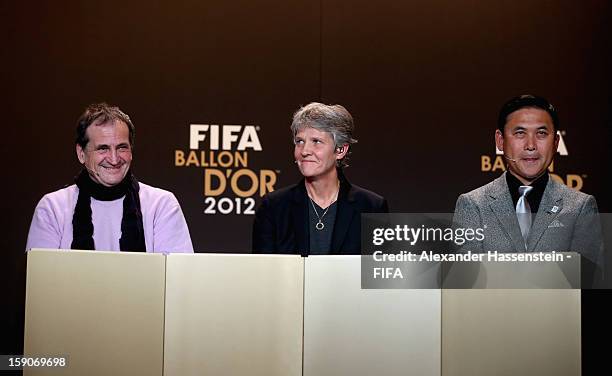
(499, 140)
(80, 153)
(557, 138)
(341, 151)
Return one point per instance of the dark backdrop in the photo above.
(423, 79)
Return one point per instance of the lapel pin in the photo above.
(554, 209)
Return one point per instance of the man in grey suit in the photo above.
(525, 210)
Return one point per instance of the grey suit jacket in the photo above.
(567, 220)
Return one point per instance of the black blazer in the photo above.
(281, 221)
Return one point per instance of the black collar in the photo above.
(300, 193)
(344, 215)
(534, 197)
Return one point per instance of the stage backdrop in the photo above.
(211, 87)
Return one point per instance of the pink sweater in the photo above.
(164, 225)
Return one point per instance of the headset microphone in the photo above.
(91, 171)
(510, 159)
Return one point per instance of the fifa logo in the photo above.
(227, 135)
(222, 151)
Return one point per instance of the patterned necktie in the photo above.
(523, 211)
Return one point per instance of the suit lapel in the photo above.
(550, 207)
(501, 205)
(344, 217)
(299, 216)
(344, 214)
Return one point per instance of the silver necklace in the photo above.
(320, 225)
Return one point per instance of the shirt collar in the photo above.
(535, 196)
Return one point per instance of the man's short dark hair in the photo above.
(101, 113)
(526, 101)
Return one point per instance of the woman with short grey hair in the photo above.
(321, 214)
(335, 120)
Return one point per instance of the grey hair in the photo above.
(333, 119)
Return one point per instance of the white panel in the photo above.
(511, 332)
(350, 331)
(105, 310)
(233, 315)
